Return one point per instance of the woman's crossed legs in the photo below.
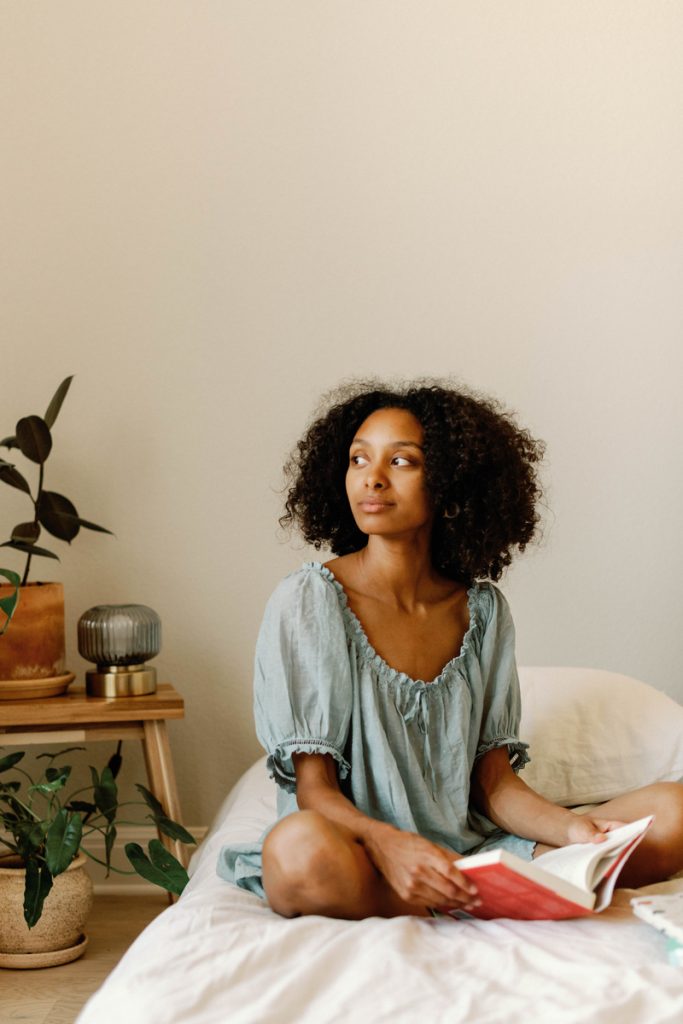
(312, 865)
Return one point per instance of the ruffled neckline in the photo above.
(354, 629)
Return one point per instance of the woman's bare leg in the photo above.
(660, 853)
(312, 865)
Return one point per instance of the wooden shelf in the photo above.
(75, 707)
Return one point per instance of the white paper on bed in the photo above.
(220, 956)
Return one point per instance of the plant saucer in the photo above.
(32, 689)
(49, 958)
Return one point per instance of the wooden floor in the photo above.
(55, 995)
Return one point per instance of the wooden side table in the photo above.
(74, 717)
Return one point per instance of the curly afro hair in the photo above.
(480, 470)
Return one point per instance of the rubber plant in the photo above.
(46, 828)
(52, 511)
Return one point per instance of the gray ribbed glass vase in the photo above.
(119, 638)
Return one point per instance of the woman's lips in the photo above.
(373, 505)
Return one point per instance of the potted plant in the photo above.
(32, 614)
(45, 830)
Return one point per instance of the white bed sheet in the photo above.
(221, 955)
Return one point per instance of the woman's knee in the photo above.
(663, 844)
(303, 857)
(668, 824)
(301, 841)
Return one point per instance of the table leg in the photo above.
(162, 781)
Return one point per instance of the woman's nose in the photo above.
(375, 480)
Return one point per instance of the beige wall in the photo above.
(213, 211)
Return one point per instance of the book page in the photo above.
(585, 864)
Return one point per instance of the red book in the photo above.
(572, 881)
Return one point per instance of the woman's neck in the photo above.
(398, 571)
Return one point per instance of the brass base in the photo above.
(121, 681)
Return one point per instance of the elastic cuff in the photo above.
(516, 749)
(281, 767)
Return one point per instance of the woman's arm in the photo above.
(417, 870)
(504, 798)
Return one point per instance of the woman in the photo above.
(386, 691)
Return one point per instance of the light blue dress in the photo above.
(405, 749)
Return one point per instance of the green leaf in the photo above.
(57, 514)
(38, 885)
(163, 870)
(161, 819)
(27, 533)
(164, 860)
(9, 604)
(34, 438)
(28, 549)
(60, 518)
(56, 402)
(13, 577)
(93, 526)
(9, 760)
(62, 841)
(10, 475)
(58, 776)
(10, 787)
(82, 806)
(55, 779)
(109, 840)
(30, 836)
(151, 801)
(174, 830)
(115, 761)
(17, 808)
(161, 857)
(105, 794)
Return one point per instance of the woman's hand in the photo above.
(420, 872)
(506, 799)
(589, 828)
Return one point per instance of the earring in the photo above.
(452, 513)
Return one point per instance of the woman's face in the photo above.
(385, 481)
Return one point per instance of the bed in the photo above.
(221, 955)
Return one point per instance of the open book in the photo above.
(571, 881)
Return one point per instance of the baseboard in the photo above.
(125, 884)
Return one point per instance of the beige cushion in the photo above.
(593, 734)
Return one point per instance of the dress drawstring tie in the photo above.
(418, 711)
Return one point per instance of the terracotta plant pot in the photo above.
(33, 646)
(58, 936)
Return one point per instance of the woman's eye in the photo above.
(358, 460)
(401, 460)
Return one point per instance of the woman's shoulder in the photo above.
(311, 586)
(490, 601)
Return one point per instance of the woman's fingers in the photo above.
(607, 825)
(455, 887)
(423, 872)
(461, 881)
(587, 829)
(428, 884)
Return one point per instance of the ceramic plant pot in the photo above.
(58, 937)
(32, 648)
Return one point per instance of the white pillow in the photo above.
(594, 735)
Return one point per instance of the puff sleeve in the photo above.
(502, 702)
(302, 676)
